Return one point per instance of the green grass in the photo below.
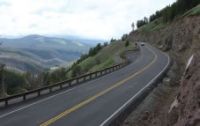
(159, 24)
(194, 11)
(105, 58)
(108, 63)
(153, 26)
(87, 63)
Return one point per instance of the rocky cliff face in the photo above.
(185, 109)
(181, 107)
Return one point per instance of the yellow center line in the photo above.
(90, 99)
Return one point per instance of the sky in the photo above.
(99, 19)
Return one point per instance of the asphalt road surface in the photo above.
(94, 102)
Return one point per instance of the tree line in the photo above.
(170, 12)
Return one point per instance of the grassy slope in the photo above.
(153, 26)
(194, 11)
(107, 57)
(159, 24)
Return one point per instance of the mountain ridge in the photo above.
(42, 51)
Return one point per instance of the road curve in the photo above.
(94, 102)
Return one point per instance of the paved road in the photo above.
(92, 103)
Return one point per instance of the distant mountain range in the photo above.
(35, 53)
(91, 42)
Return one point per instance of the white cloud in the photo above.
(89, 18)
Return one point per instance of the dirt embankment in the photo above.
(176, 101)
(186, 106)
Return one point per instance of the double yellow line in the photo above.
(90, 99)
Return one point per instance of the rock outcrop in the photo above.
(187, 109)
(177, 103)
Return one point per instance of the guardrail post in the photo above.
(70, 83)
(84, 78)
(107, 71)
(39, 93)
(61, 86)
(101, 73)
(50, 89)
(90, 76)
(24, 97)
(77, 80)
(6, 102)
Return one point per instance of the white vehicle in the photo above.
(142, 44)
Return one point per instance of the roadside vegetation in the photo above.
(162, 18)
(106, 55)
(12, 83)
(99, 57)
(194, 11)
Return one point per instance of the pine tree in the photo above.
(3, 91)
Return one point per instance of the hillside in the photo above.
(98, 58)
(107, 56)
(35, 53)
(175, 101)
(64, 80)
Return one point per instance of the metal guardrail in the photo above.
(64, 84)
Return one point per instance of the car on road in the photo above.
(142, 44)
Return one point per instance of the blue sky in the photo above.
(101, 19)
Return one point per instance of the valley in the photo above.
(35, 53)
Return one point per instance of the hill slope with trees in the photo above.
(99, 57)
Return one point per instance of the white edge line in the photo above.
(40, 101)
(130, 100)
